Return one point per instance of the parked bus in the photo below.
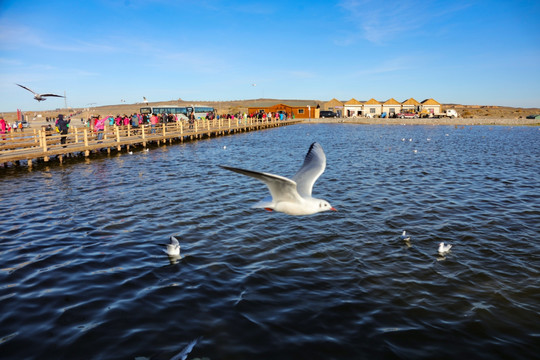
(201, 111)
(179, 111)
(182, 112)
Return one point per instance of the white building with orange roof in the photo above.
(372, 108)
(410, 106)
(391, 107)
(431, 106)
(352, 108)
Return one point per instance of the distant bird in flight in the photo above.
(39, 97)
(144, 100)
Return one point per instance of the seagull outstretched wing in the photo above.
(24, 87)
(174, 241)
(313, 166)
(281, 188)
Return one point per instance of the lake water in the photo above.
(84, 275)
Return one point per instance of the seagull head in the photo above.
(325, 206)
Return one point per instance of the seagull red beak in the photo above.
(333, 209)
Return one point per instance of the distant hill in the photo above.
(235, 106)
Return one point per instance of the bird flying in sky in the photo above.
(39, 97)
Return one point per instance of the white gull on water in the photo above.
(293, 196)
(443, 249)
(173, 248)
(405, 237)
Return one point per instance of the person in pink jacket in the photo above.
(99, 126)
(3, 128)
(154, 120)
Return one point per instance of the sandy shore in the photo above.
(443, 121)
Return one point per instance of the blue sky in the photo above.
(106, 51)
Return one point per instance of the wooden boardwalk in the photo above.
(40, 145)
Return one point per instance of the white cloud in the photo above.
(20, 37)
(381, 21)
(404, 63)
(10, 62)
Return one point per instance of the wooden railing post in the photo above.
(38, 137)
(44, 141)
(86, 151)
(118, 147)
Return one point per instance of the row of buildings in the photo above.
(351, 108)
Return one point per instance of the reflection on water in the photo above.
(174, 259)
(84, 269)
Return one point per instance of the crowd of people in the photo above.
(6, 127)
(98, 123)
(260, 116)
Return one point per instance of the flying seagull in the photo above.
(293, 196)
(144, 100)
(39, 97)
